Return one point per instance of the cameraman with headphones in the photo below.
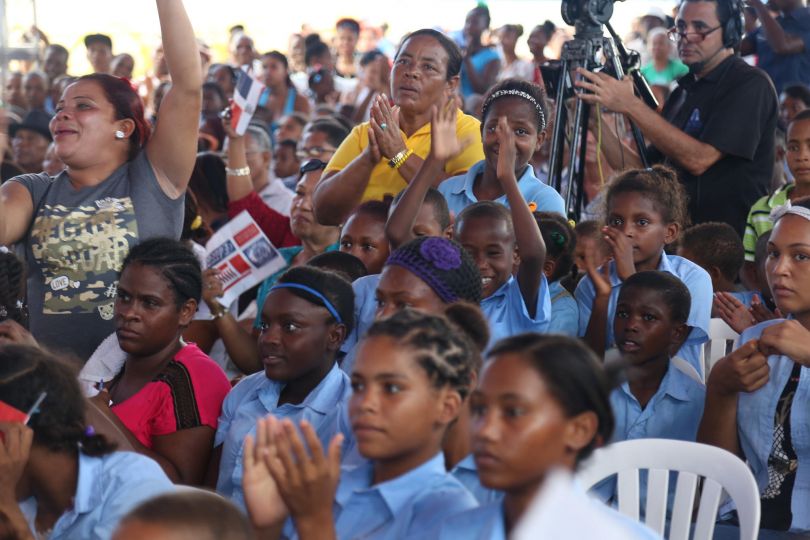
(717, 127)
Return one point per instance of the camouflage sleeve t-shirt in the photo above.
(77, 243)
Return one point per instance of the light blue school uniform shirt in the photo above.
(508, 315)
(409, 506)
(256, 396)
(466, 472)
(695, 278)
(674, 412)
(755, 425)
(746, 297)
(108, 487)
(488, 522)
(365, 308)
(564, 311)
(458, 190)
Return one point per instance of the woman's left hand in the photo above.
(307, 480)
(15, 447)
(789, 338)
(389, 138)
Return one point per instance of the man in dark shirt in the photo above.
(717, 128)
(782, 44)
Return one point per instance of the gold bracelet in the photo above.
(220, 312)
(397, 161)
(242, 171)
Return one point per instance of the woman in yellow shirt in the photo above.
(382, 155)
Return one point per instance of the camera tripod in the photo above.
(581, 52)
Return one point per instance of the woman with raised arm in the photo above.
(121, 185)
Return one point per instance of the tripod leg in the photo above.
(557, 136)
(576, 132)
(580, 177)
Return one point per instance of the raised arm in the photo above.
(172, 149)
(596, 333)
(444, 144)
(531, 248)
(16, 206)
(620, 156)
(780, 41)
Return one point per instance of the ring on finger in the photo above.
(383, 126)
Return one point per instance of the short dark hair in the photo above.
(560, 241)
(318, 48)
(58, 49)
(659, 184)
(335, 131)
(803, 115)
(370, 56)
(205, 515)
(344, 264)
(674, 294)
(486, 209)
(436, 200)
(454, 56)
(331, 285)
(572, 374)
(798, 91)
(592, 229)
(348, 24)
(59, 425)
(716, 244)
(176, 263)
(209, 181)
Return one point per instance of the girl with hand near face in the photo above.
(412, 374)
(541, 404)
(306, 317)
(645, 211)
(756, 397)
(168, 394)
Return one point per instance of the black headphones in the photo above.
(734, 26)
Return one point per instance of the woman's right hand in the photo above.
(226, 116)
(15, 447)
(744, 370)
(212, 288)
(444, 143)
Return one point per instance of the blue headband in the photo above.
(326, 303)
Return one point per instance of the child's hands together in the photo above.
(622, 249)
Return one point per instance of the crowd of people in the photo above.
(447, 333)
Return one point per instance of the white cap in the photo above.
(656, 12)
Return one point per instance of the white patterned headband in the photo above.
(781, 211)
(518, 93)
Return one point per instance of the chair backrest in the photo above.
(720, 470)
(722, 340)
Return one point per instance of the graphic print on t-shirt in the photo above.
(80, 251)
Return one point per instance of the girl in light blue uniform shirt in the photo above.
(646, 209)
(411, 376)
(756, 403)
(561, 241)
(70, 482)
(541, 403)
(305, 319)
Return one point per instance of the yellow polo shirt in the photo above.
(385, 180)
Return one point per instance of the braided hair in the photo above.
(442, 345)
(175, 262)
(12, 288)
(443, 264)
(59, 425)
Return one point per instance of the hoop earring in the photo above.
(119, 134)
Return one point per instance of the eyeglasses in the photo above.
(677, 35)
(313, 152)
(312, 165)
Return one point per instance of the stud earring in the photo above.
(119, 134)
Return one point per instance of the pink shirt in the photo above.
(187, 394)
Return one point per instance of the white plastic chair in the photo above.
(722, 340)
(721, 470)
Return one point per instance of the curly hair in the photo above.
(443, 345)
(59, 425)
(715, 244)
(660, 185)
